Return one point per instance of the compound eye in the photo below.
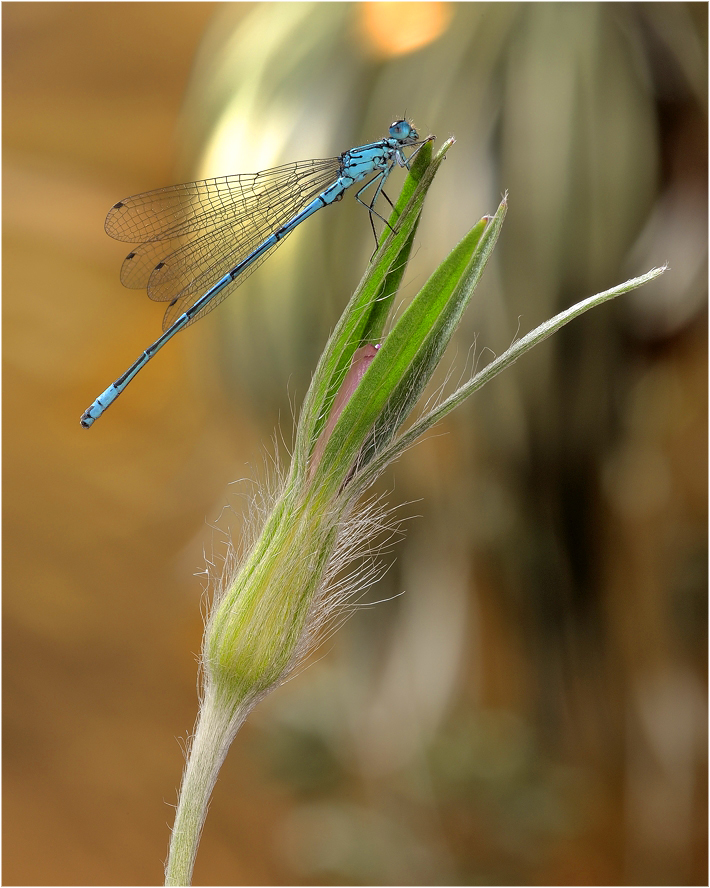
(401, 130)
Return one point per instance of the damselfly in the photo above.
(189, 234)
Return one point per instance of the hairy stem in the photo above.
(214, 733)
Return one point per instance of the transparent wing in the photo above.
(182, 209)
(192, 292)
(194, 234)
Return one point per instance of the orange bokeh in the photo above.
(394, 29)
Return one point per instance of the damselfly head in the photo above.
(404, 132)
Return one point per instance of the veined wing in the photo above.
(179, 210)
(166, 266)
(182, 267)
(201, 284)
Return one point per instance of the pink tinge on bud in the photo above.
(361, 360)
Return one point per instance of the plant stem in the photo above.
(216, 728)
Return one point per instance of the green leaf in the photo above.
(383, 301)
(356, 319)
(411, 352)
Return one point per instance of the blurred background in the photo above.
(533, 709)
